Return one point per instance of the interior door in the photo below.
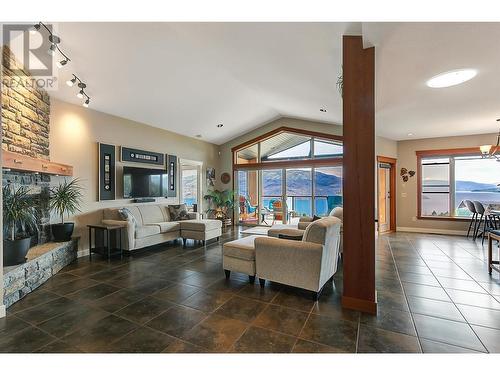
(384, 195)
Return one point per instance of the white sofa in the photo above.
(153, 226)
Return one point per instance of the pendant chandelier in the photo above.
(490, 151)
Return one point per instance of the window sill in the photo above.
(443, 218)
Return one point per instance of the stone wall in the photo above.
(48, 260)
(25, 111)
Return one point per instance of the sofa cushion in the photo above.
(201, 225)
(146, 231)
(243, 248)
(151, 214)
(168, 226)
(337, 212)
(178, 212)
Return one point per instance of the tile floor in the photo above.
(434, 294)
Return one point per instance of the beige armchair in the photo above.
(307, 264)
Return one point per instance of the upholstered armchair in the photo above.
(308, 264)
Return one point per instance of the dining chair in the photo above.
(484, 219)
(471, 208)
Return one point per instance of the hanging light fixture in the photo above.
(490, 151)
(54, 49)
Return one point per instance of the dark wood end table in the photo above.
(107, 231)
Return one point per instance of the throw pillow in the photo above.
(125, 214)
(178, 212)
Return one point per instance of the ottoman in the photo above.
(239, 256)
(202, 230)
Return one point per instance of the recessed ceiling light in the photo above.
(220, 125)
(451, 78)
(322, 110)
(410, 134)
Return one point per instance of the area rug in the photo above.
(262, 231)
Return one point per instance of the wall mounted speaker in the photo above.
(107, 172)
(172, 175)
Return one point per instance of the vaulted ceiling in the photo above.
(189, 77)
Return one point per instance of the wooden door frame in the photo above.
(392, 188)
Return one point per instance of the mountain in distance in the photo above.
(466, 185)
(299, 183)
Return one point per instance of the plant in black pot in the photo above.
(65, 200)
(18, 213)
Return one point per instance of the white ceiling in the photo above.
(189, 77)
(408, 54)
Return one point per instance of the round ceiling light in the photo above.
(220, 125)
(451, 78)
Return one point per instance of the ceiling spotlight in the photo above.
(322, 110)
(61, 63)
(410, 134)
(54, 40)
(451, 78)
(220, 125)
(71, 82)
(80, 94)
(86, 103)
(35, 29)
(52, 49)
(198, 135)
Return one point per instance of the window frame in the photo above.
(451, 153)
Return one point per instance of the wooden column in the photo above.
(359, 175)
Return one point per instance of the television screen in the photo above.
(144, 182)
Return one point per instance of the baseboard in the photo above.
(3, 311)
(82, 253)
(432, 231)
(362, 305)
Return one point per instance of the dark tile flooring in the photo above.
(434, 295)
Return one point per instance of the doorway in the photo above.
(386, 191)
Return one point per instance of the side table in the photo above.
(107, 231)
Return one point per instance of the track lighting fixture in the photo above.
(53, 50)
(54, 44)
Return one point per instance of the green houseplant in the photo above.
(64, 200)
(18, 214)
(220, 203)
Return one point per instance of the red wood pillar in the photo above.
(359, 175)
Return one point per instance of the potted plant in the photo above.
(221, 202)
(65, 200)
(18, 214)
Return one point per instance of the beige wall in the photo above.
(74, 133)
(386, 147)
(225, 149)
(407, 192)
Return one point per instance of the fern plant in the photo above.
(66, 198)
(18, 209)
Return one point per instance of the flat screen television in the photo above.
(144, 182)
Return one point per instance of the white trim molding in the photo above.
(3, 311)
(432, 231)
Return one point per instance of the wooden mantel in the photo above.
(20, 162)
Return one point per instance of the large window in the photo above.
(447, 181)
(290, 146)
